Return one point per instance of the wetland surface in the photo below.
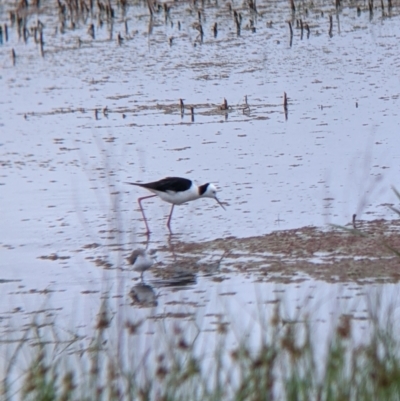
(98, 104)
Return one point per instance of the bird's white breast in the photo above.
(177, 198)
(142, 263)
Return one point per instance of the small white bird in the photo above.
(176, 190)
(140, 261)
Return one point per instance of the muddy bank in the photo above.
(332, 255)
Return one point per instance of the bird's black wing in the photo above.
(174, 184)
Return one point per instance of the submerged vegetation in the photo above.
(88, 21)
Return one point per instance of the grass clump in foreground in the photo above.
(288, 363)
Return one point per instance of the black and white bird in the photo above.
(176, 190)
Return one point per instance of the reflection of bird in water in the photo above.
(143, 294)
(176, 280)
(182, 274)
(140, 261)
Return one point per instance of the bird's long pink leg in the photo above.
(169, 219)
(141, 208)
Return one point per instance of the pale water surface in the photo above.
(90, 115)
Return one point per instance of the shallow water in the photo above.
(334, 156)
(90, 115)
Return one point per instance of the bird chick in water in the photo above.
(140, 261)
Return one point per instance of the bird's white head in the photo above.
(209, 191)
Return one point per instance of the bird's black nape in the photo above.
(203, 188)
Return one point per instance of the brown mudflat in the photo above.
(333, 254)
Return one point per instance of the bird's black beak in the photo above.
(220, 203)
